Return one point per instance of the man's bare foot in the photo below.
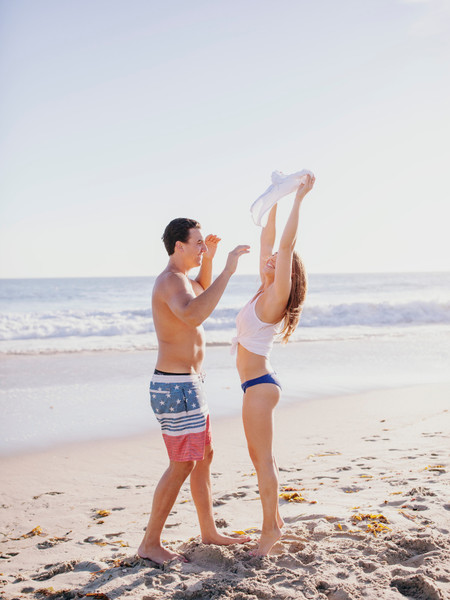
(159, 555)
(224, 540)
(266, 542)
(280, 521)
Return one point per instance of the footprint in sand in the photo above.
(221, 523)
(52, 570)
(439, 434)
(48, 494)
(367, 567)
(51, 542)
(233, 495)
(296, 546)
(392, 503)
(87, 565)
(417, 586)
(440, 470)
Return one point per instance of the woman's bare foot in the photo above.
(224, 540)
(266, 542)
(159, 555)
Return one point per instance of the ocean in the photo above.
(39, 316)
(76, 355)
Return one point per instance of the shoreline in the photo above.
(47, 400)
(379, 453)
(152, 432)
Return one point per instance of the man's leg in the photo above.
(163, 500)
(202, 496)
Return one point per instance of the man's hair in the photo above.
(178, 231)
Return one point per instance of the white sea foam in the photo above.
(39, 316)
(74, 323)
(82, 324)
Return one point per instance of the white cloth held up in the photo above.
(282, 185)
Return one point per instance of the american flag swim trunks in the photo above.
(179, 403)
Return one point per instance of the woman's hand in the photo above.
(305, 187)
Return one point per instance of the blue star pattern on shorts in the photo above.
(180, 406)
(170, 398)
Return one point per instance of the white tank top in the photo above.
(252, 333)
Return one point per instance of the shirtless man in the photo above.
(179, 306)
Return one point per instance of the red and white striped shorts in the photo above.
(179, 404)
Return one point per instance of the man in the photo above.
(179, 306)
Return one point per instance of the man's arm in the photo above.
(192, 309)
(204, 277)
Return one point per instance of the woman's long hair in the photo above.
(297, 296)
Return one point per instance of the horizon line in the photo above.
(396, 272)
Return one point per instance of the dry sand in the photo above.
(372, 517)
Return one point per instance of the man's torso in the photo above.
(181, 347)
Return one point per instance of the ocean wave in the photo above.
(377, 314)
(85, 324)
(72, 323)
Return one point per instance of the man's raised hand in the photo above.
(234, 256)
(211, 241)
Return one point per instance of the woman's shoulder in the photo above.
(268, 307)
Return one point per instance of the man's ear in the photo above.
(179, 246)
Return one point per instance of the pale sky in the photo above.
(118, 116)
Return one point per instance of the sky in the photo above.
(118, 116)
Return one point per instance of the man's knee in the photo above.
(207, 456)
(183, 468)
(209, 453)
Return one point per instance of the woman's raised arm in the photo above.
(267, 241)
(282, 281)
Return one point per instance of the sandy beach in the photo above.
(364, 494)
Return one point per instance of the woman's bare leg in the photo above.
(279, 518)
(257, 413)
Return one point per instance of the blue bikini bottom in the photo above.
(267, 378)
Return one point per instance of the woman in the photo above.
(275, 309)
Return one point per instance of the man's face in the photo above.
(195, 247)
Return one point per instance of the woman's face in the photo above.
(270, 264)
